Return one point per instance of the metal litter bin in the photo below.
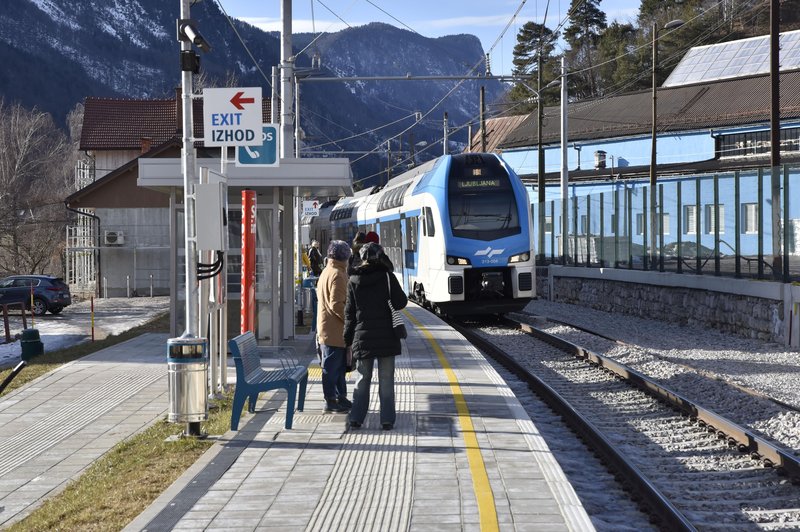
(187, 369)
(31, 344)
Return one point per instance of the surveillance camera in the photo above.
(188, 32)
(196, 39)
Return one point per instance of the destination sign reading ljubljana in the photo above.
(479, 183)
(232, 116)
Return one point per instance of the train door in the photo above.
(391, 241)
(425, 248)
(410, 255)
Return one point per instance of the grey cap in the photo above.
(339, 250)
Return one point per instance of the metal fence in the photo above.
(741, 224)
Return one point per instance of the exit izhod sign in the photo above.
(232, 116)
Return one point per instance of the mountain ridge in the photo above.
(61, 51)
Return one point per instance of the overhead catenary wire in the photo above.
(451, 91)
(457, 85)
(362, 134)
(246, 48)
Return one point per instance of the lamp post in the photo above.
(653, 158)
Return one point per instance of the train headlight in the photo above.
(521, 257)
(457, 261)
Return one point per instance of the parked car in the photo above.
(49, 293)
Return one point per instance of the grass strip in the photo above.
(130, 476)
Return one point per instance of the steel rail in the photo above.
(746, 440)
(710, 375)
(670, 516)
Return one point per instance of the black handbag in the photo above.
(398, 326)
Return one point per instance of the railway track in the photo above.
(691, 467)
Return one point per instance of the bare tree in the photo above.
(34, 155)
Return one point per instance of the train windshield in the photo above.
(482, 203)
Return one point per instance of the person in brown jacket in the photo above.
(332, 294)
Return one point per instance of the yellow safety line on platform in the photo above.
(480, 479)
(314, 372)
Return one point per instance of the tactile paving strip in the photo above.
(372, 480)
(16, 450)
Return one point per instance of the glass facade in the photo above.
(746, 225)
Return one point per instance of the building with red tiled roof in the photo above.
(121, 242)
(117, 130)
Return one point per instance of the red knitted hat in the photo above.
(372, 236)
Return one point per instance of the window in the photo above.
(750, 218)
(430, 228)
(710, 221)
(689, 219)
(584, 224)
(481, 203)
(548, 224)
(757, 142)
(392, 198)
(664, 223)
(411, 234)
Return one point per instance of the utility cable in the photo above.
(246, 48)
(361, 134)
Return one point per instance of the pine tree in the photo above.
(532, 38)
(587, 23)
(622, 64)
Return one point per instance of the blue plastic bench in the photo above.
(252, 379)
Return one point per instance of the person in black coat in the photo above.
(315, 257)
(368, 332)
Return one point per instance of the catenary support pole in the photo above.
(775, 137)
(653, 151)
(540, 181)
(564, 163)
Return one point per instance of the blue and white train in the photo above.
(457, 229)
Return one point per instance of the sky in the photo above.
(485, 19)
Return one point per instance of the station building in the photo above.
(720, 213)
(713, 118)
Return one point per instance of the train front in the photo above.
(488, 244)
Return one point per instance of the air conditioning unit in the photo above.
(114, 238)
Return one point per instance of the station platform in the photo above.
(463, 455)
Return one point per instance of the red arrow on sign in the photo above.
(238, 100)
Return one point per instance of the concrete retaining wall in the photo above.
(752, 309)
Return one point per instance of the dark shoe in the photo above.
(345, 402)
(387, 426)
(333, 407)
(355, 425)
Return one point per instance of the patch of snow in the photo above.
(74, 324)
(56, 13)
(108, 28)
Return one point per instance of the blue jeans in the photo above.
(333, 366)
(385, 389)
